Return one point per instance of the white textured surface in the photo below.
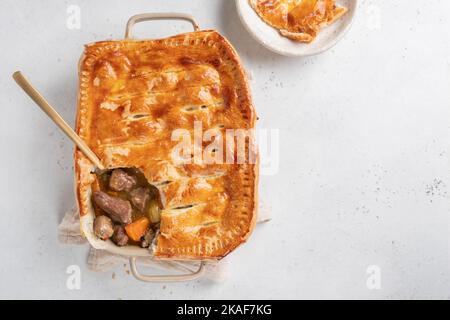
(364, 155)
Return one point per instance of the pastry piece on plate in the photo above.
(298, 20)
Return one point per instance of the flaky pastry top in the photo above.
(133, 96)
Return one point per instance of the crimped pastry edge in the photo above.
(83, 189)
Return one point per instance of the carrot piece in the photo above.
(137, 229)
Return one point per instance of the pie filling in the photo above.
(127, 208)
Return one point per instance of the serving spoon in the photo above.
(57, 119)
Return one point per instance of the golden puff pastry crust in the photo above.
(298, 20)
(133, 95)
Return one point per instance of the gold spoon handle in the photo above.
(47, 108)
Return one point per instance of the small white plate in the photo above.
(272, 40)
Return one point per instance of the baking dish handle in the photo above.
(166, 278)
(158, 16)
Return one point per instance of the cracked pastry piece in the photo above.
(298, 20)
(133, 95)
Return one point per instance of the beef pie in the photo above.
(134, 96)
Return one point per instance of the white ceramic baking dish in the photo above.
(87, 221)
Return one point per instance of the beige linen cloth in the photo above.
(101, 260)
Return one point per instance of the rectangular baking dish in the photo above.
(83, 168)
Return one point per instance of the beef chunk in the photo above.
(139, 198)
(118, 209)
(121, 181)
(147, 239)
(120, 237)
(103, 227)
